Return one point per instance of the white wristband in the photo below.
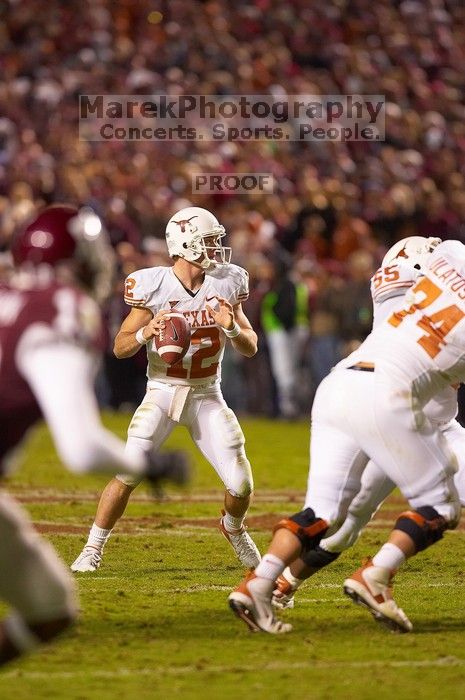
(234, 332)
(140, 336)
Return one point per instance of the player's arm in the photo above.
(233, 321)
(128, 340)
(247, 341)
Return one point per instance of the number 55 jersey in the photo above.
(422, 342)
(158, 288)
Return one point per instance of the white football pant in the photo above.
(376, 486)
(62, 378)
(358, 416)
(213, 427)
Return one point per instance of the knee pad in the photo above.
(135, 447)
(306, 526)
(425, 526)
(318, 558)
(130, 480)
(239, 482)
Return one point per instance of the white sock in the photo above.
(231, 523)
(98, 537)
(270, 567)
(293, 580)
(389, 557)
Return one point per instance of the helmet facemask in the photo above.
(208, 246)
(214, 252)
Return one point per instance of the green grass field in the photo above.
(155, 621)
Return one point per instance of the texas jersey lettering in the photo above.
(158, 288)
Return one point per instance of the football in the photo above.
(173, 341)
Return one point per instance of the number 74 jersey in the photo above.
(158, 288)
(424, 336)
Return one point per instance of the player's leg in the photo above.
(454, 433)
(375, 487)
(337, 464)
(70, 408)
(416, 456)
(111, 506)
(149, 428)
(217, 433)
(299, 536)
(34, 582)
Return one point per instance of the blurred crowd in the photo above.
(310, 247)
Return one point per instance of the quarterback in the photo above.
(373, 406)
(208, 290)
(50, 337)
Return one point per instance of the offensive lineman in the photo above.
(208, 290)
(50, 334)
(407, 360)
(400, 269)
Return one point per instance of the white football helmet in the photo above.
(413, 250)
(188, 233)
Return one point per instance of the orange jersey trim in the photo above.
(388, 287)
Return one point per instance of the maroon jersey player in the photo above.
(30, 316)
(50, 337)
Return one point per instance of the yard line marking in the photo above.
(446, 661)
(189, 589)
(25, 495)
(202, 588)
(179, 531)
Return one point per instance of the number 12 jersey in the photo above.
(158, 288)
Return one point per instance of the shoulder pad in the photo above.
(236, 281)
(451, 251)
(392, 281)
(140, 285)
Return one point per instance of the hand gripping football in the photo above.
(174, 339)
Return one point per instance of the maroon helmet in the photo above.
(46, 239)
(61, 233)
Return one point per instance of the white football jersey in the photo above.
(157, 288)
(422, 342)
(387, 285)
